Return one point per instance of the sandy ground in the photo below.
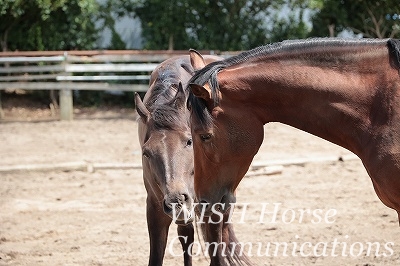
(98, 218)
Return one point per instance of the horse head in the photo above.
(167, 154)
(225, 138)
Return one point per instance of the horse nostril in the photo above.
(167, 209)
(184, 197)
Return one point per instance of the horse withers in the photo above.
(344, 91)
(167, 158)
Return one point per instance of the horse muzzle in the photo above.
(179, 209)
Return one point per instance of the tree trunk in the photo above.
(171, 42)
(331, 29)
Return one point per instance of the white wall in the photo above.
(129, 29)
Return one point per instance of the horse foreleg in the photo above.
(213, 241)
(186, 238)
(158, 224)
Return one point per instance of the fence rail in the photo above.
(65, 71)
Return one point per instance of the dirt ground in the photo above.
(69, 217)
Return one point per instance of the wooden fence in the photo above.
(65, 71)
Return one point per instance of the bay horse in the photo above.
(167, 159)
(346, 91)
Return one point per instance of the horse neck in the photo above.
(337, 102)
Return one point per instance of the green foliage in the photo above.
(116, 42)
(230, 25)
(203, 24)
(287, 29)
(47, 25)
(371, 18)
(291, 26)
(163, 23)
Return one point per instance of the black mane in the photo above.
(209, 73)
(161, 103)
(394, 48)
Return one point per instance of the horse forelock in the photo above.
(168, 117)
(162, 91)
(161, 103)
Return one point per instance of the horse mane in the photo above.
(161, 103)
(209, 72)
(394, 47)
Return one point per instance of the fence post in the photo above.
(1, 108)
(65, 97)
(66, 105)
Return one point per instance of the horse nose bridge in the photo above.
(178, 186)
(178, 172)
(176, 166)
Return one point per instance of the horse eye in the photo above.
(189, 142)
(205, 137)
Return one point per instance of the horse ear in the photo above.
(180, 97)
(196, 59)
(141, 108)
(200, 91)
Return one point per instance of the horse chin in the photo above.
(185, 216)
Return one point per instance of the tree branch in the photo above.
(376, 24)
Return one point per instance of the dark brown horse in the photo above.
(165, 138)
(344, 91)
